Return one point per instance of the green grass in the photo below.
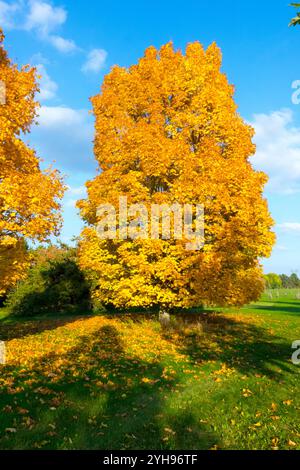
(124, 383)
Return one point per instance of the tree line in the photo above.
(275, 281)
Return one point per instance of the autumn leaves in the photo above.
(126, 383)
(29, 197)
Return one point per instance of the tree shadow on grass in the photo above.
(101, 395)
(287, 308)
(96, 396)
(244, 346)
(293, 302)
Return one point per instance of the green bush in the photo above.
(55, 284)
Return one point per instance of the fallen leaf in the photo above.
(246, 392)
(275, 442)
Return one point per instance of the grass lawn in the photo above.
(122, 382)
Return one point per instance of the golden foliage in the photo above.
(167, 130)
(29, 197)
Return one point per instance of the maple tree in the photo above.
(167, 130)
(29, 197)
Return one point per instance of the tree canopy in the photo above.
(167, 131)
(273, 281)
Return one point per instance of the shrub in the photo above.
(54, 283)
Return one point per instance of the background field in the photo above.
(221, 380)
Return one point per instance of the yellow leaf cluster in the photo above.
(167, 130)
(29, 197)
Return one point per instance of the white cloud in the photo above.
(57, 117)
(61, 44)
(278, 150)
(65, 135)
(40, 17)
(43, 17)
(281, 248)
(76, 191)
(48, 87)
(291, 227)
(71, 203)
(8, 12)
(95, 61)
(38, 58)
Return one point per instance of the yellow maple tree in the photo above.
(29, 197)
(167, 131)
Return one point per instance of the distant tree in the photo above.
(289, 282)
(285, 280)
(273, 281)
(294, 280)
(296, 20)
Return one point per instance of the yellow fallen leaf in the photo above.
(275, 442)
(214, 447)
(291, 443)
(170, 431)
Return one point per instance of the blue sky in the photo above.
(74, 44)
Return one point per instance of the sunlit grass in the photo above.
(125, 383)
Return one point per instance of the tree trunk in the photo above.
(164, 317)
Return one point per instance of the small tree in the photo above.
(294, 280)
(273, 281)
(167, 131)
